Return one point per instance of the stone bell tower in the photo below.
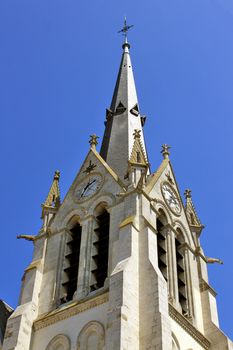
(118, 263)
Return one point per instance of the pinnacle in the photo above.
(190, 210)
(138, 155)
(53, 198)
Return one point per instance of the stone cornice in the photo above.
(34, 265)
(69, 311)
(188, 327)
(128, 221)
(205, 286)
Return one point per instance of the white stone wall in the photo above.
(183, 339)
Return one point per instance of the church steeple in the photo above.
(119, 264)
(122, 119)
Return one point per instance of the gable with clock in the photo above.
(118, 263)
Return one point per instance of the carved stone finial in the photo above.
(93, 140)
(56, 175)
(137, 134)
(165, 151)
(187, 193)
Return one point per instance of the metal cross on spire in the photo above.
(125, 29)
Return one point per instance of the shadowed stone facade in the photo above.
(5, 312)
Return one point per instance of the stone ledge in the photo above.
(69, 311)
(188, 327)
(205, 286)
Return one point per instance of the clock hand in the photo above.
(85, 188)
(92, 182)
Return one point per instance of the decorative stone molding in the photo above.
(205, 286)
(179, 225)
(155, 177)
(59, 340)
(103, 197)
(160, 205)
(77, 212)
(89, 329)
(188, 327)
(70, 310)
(186, 246)
(175, 343)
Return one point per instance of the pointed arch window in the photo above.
(100, 248)
(162, 249)
(181, 274)
(71, 263)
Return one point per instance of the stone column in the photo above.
(59, 273)
(83, 285)
(172, 268)
(189, 291)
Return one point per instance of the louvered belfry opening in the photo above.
(182, 291)
(99, 267)
(71, 263)
(162, 249)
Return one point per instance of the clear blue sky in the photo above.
(58, 66)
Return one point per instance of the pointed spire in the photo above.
(125, 90)
(193, 219)
(122, 119)
(53, 198)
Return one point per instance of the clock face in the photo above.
(171, 198)
(89, 186)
